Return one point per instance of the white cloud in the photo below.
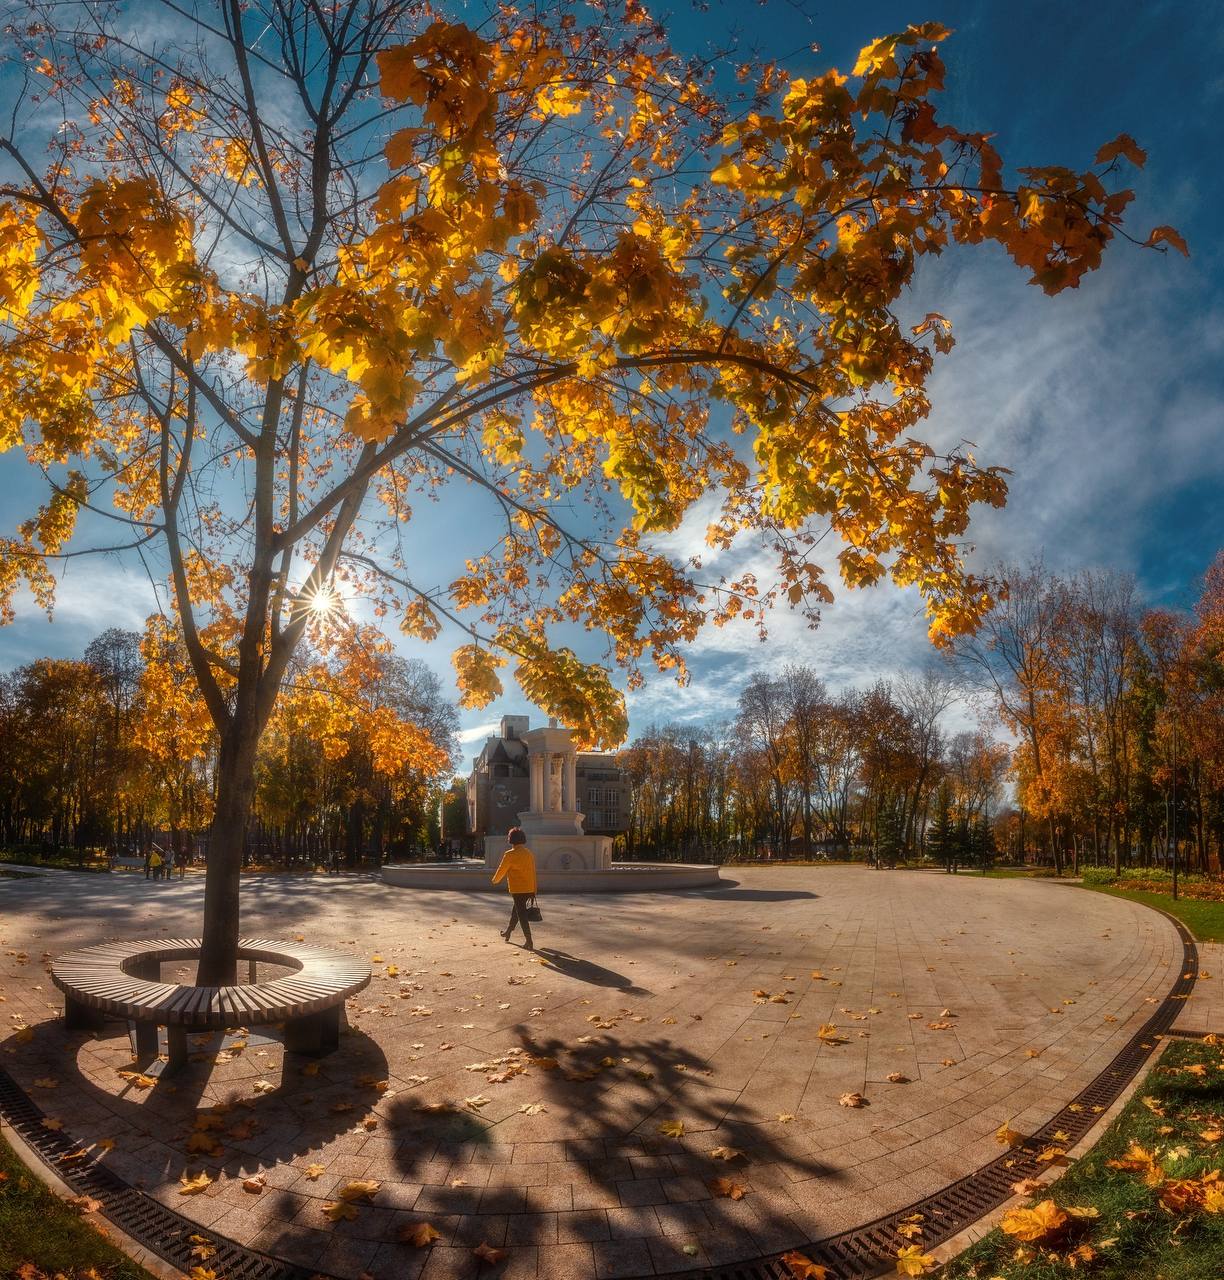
(478, 732)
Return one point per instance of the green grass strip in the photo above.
(1135, 1235)
(39, 1229)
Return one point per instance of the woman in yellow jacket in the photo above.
(519, 872)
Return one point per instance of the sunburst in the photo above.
(321, 601)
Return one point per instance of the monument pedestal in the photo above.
(556, 851)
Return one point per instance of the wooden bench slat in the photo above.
(99, 978)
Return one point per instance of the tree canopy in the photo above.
(271, 274)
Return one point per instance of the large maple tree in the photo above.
(270, 272)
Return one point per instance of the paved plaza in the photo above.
(579, 1106)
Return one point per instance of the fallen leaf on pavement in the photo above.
(727, 1187)
(1006, 1136)
(358, 1189)
(420, 1234)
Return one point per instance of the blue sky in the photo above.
(1104, 402)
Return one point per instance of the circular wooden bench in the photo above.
(123, 980)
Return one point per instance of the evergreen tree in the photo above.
(939, 830)
(960, 844)
(890, 837)
(983, 847)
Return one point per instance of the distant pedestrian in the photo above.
(518, 869)
(156, 863)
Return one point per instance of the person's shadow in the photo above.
(587, 971)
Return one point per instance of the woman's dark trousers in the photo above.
(518, 915)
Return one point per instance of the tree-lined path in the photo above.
(531, 1102)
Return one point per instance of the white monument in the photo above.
(567, 859)
(552, 822)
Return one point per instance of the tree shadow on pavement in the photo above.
(588, 1156)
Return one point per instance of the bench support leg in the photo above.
(80, 1017)
(143, 1036)
(316, 1033)
(176, 1042)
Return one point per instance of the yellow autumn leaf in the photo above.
(359, 1189)
(672, 1128)
(1038, 1223)
(192, 1186)
(419, 1234)
(1006, 1136)
(911, 1261)
(801, 1267)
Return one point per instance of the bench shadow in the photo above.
(314, 1101)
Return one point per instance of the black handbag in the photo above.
(534, 914)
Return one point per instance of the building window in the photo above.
(602, 807)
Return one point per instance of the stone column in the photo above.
(555, 799)
(570, 789)
(533, 772)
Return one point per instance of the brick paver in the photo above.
(996, 1001)
(1204, 1010)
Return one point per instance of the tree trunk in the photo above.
(235, 790)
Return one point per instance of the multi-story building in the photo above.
(498, 788)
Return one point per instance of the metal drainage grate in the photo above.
(871, 1250)
(148, 1222)
(859, 1254)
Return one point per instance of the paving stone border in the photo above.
(863, 1252)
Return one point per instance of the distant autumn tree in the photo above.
(273, 272)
